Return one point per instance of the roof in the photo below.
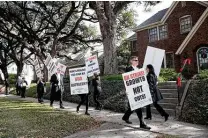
(132, 37)
(155, 18)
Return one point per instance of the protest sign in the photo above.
(52, 68)
(61, 68)
(92, 65)
(137, 89)
(37, 68)
(48, 61)
(78, 81)
(155, 57)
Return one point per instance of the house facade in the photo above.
(181, 30)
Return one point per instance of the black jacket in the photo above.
(155, 92)
(40, 87)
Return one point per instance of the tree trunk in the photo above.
(19, 68)
(108, 30)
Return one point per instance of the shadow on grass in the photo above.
(26, 119)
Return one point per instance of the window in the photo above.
(185, 24)
(163, 32)
(169, 60)
(153, 34)
(134, 46)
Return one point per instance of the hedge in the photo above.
(195, 108)
(203, 74)
(165, 75)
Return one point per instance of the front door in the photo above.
(202, 57)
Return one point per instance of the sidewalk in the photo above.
(116, 128)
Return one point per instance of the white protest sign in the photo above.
(37, 68)
(52, 68)
(78, 81)
(48, 60)
(61, 68)
(92, 65)
(154, 56)
(137, 89)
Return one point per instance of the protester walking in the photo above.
(18, 85)
(97, 91)
(40, 90)
(134, 66)
(7, 86)
(23, 87)
(55, 91)
(155, 92)
(84, 98)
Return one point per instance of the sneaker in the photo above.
(87, 113)
(61, 107)
(127, 121)
(145, 127)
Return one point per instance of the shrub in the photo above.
(167, 75)
(203, 74)
(112, 77)
(12, 79)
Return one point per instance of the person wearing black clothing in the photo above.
(55, 91)
(156, 95)
(7, 86)
(84, 98)
(134, 65)
(97, 89)
(40, 90)
(23, 87)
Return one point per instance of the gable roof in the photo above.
(132, 37)
(155, 18)
(160, 17)
(192, 32)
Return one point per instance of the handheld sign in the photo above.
(92, 65)
(78, 81)
(137, 89)
(48, 61)
(37, 69)
(155, 57)
(61, 69)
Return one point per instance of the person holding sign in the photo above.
(134, 66)
(156, 95)
(97, 90)
(55, 91)
(40, 90)
(84, 98)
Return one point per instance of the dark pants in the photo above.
(23, 90)
(84, 98)
(18, 89)
(60, 101)
(96, 96)
(40, 97)
(138, 112)
(158, 108)
(56, 96)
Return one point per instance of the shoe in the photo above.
(145, 127)
(61, 107)
(166, 117)
(51, 105)
(148, 118)
(87, 113)
(77, 109)
(127, 121)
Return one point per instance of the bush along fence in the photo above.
(195, 109)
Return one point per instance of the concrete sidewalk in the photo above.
(116, 128)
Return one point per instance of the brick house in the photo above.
(181, 29)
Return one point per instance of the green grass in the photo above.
(27, 119)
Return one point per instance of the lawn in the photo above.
(26, 119)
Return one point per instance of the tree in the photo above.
(45, 27)
(107, 13)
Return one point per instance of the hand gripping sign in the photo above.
(137, 89)
(78, 81)
(92, 65)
